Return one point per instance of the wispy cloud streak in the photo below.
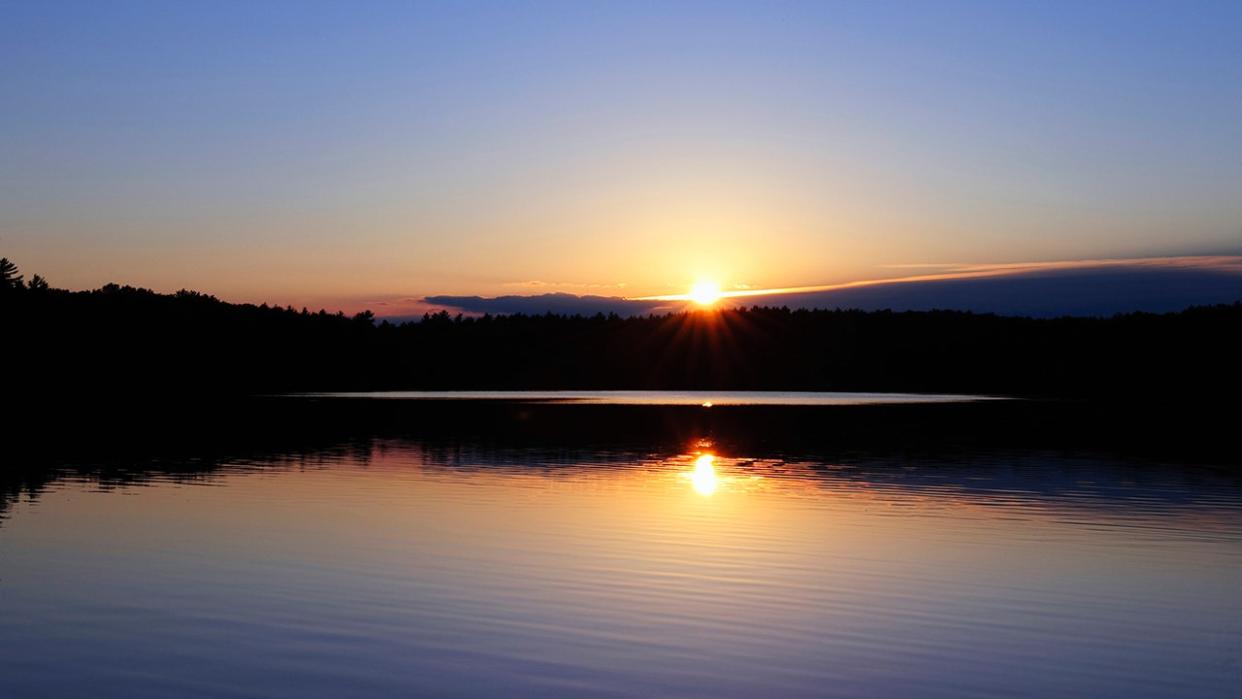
(1067, 287)
(1219, 263)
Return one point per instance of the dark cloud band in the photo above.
(1072, 290)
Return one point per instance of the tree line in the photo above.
(126, 341)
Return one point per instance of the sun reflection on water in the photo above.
(704, 477)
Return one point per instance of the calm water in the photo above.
(722, 398)
(390, 567)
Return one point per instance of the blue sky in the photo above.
(340, 152)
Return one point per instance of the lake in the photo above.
(700, 398)
(414, 560)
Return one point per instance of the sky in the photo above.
(353, 154)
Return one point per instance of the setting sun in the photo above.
(705, 292)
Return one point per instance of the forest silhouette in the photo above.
(139, 342)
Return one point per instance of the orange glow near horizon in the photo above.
(1226, 263)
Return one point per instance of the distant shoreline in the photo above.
(142, 427)
(123, 341)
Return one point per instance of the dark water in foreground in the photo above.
(398, 566)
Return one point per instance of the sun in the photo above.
(705, 292)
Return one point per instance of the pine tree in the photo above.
(10, 280)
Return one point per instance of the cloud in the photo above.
(548, 303)
(1045, 292)
(1041, 289)
(1227, 264)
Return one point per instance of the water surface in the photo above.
(390, 567)
(666, 398)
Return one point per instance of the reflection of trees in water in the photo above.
(1084, 481)
(29, 479)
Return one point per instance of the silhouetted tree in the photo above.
(10, 280)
